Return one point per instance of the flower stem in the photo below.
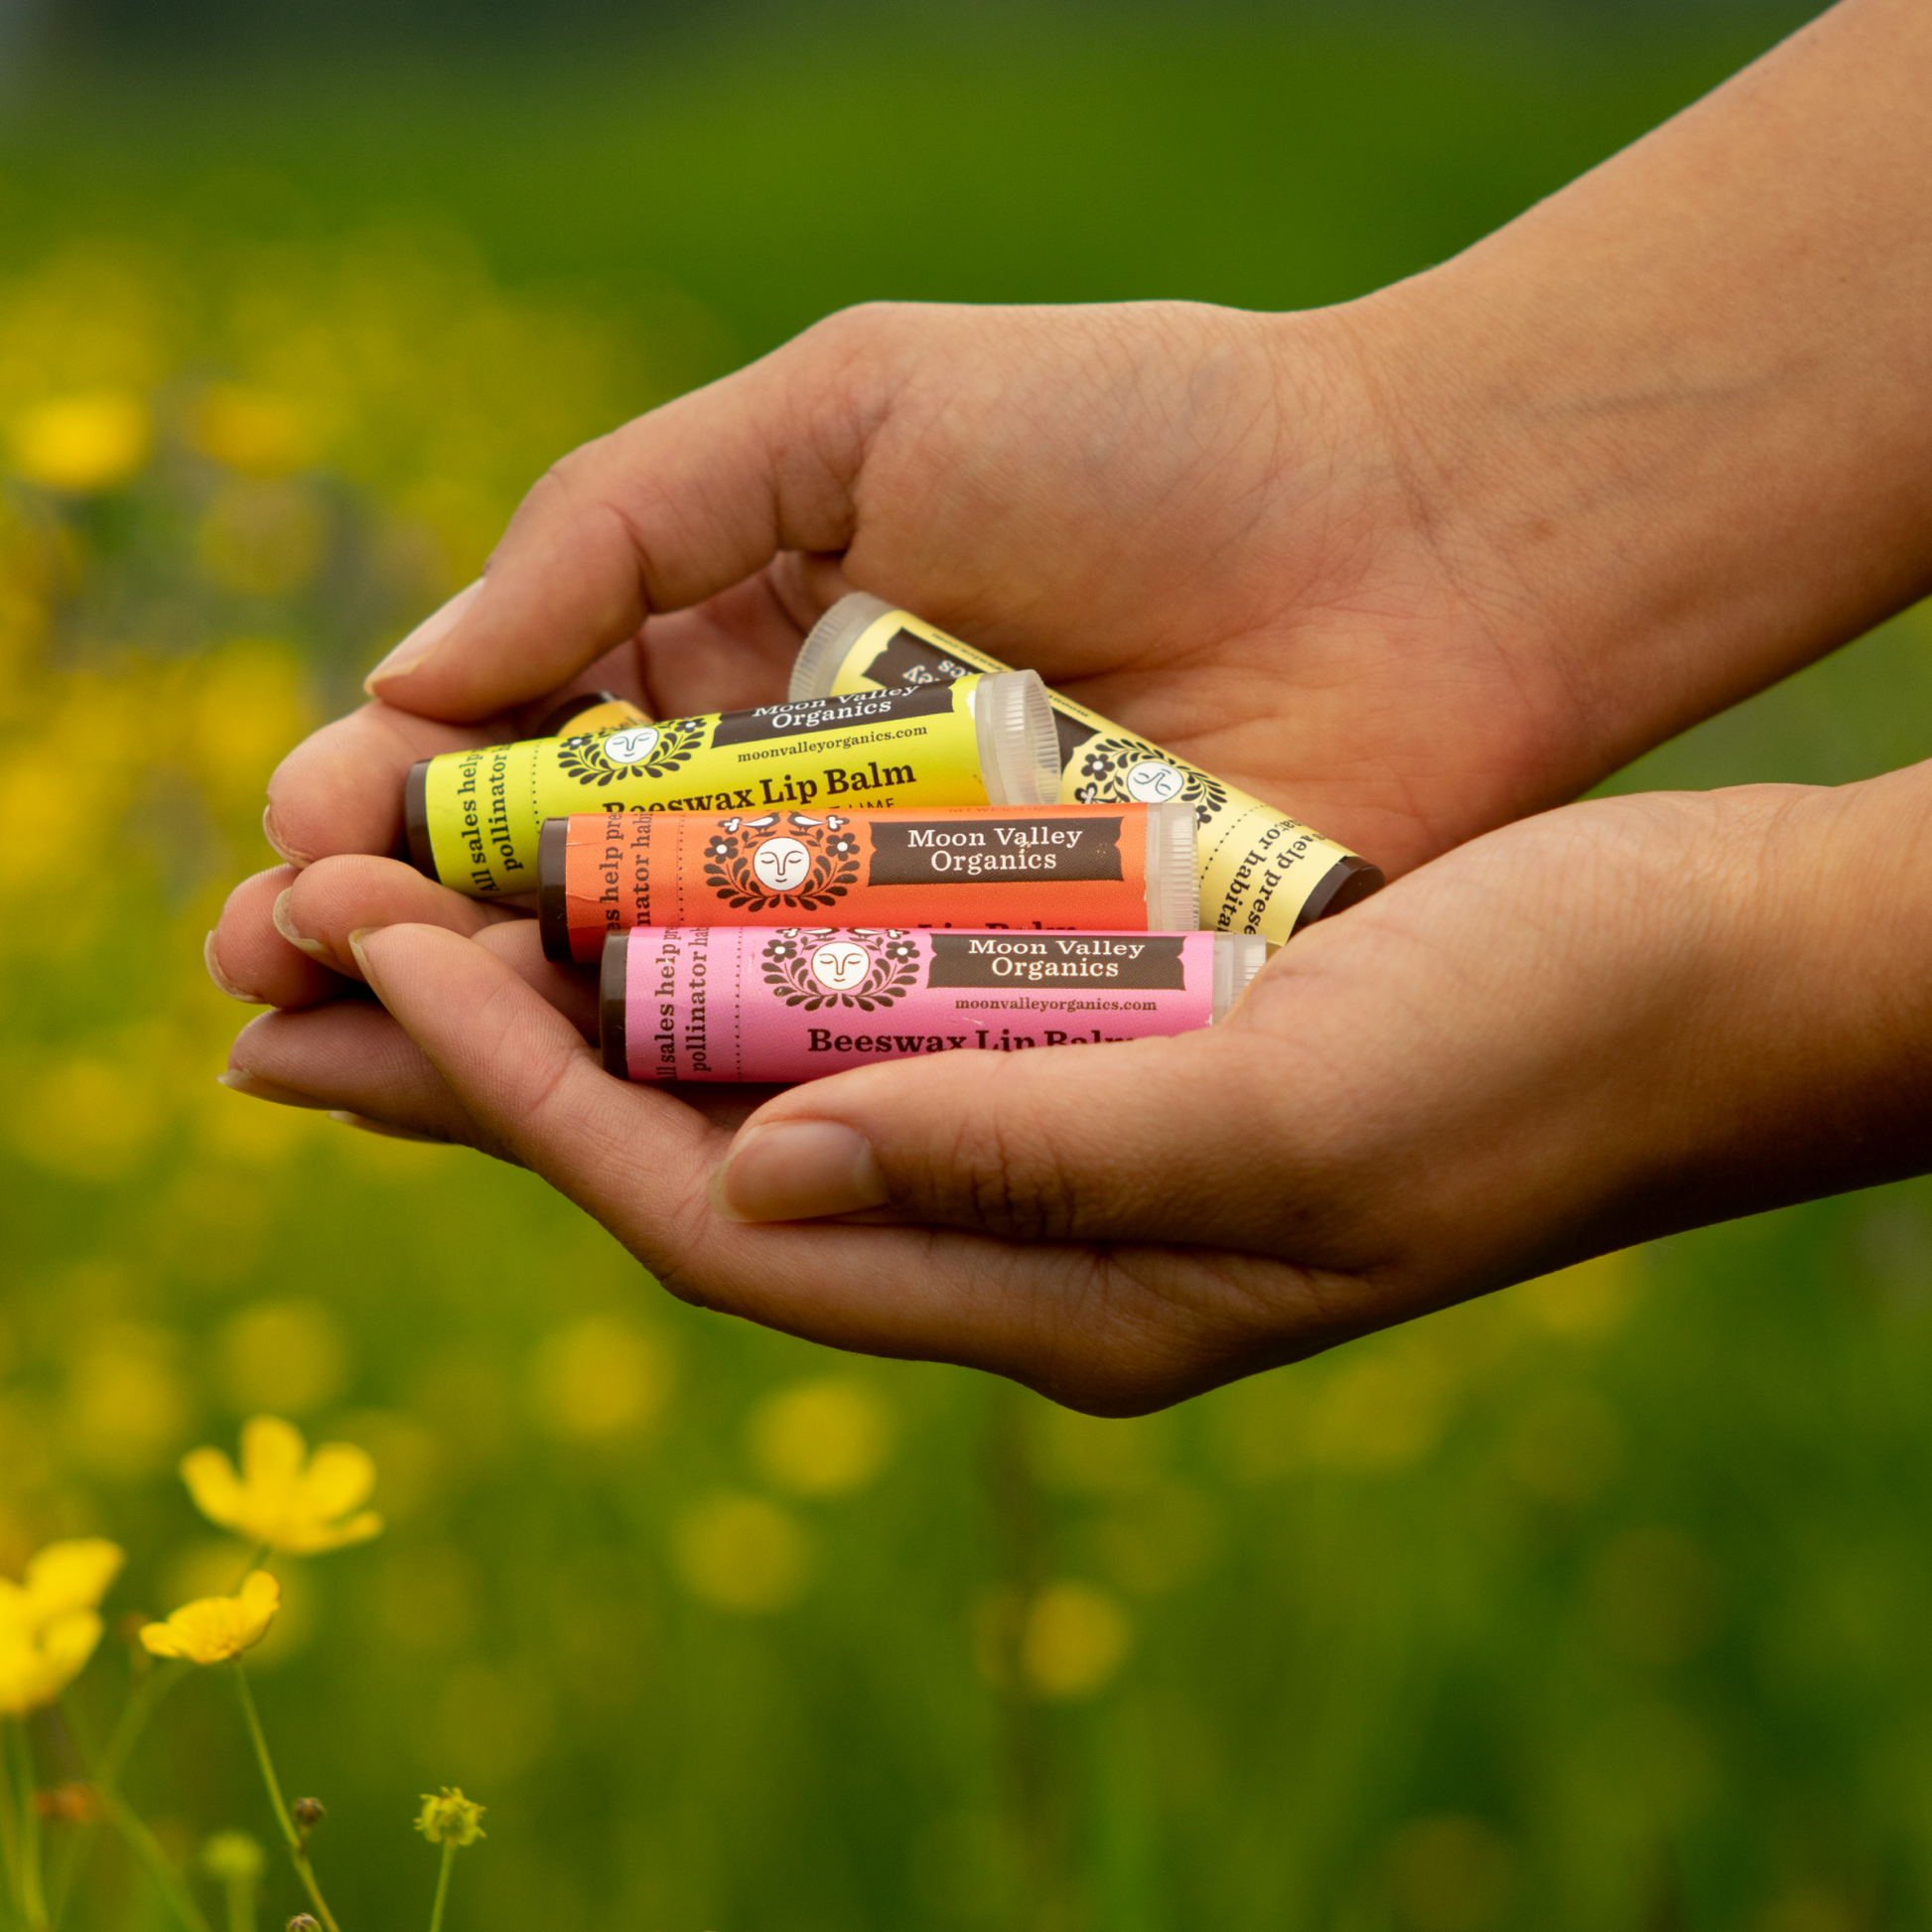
(10, 1845)
(441, 1889)
(241, 1904)
(104, 1771)
(298, 1854)
(102, 1777)
(145, 1847)
(32, 1894)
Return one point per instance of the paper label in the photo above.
(485, 807)
(1060, 866)
(749, 1003)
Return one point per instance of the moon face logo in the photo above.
(840, 966)
(1150, 782)
(632, 746)
(780, 864)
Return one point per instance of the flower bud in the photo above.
(305, 1922)
(309, 1813)
(451, 1819)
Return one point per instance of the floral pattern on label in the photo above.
(1130, 770)
(791, 858)
(820, 966)
(631, 751)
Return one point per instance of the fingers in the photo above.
(341, 788)
(320, 906)
(667, 511)
(1115, 1330)
(248, 959)
(283, 936)
(1155, 1140)
(350, 1057)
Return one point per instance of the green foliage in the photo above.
(1594, 1604)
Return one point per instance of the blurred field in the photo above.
(1597, 1604)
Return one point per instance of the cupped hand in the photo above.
(1591, 1026)
(1197, 521)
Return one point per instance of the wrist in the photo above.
(1798, 1056)
(1675, 423)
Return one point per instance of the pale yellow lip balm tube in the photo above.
(1261, 871)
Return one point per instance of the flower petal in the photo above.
(271, 1453)
(74, 1574)
(216, 1490)
(260, 1598)
(161, 1640)
(68, 1641)
(340, 1476)
(312, 1539)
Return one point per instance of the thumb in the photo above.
(672, 508)
(1154, 1140)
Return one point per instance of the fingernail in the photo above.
(282, 849)
(356, 939)
(258, 1088)
(279, 912)
(797, 1171)
(413, 651)
(221, 978)
(382, 1126)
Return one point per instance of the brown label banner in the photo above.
(830, 714)
(1125, 959)
(967, 852)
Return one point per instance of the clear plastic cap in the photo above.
(1238, 957)
(827, 642)
(1172, 890)
(1019, 750)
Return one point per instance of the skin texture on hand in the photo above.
(1412, 568)
(1586, 1028)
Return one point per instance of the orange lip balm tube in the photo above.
(1124, 867)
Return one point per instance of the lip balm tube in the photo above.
(1069, 867)
(1260, 869)
(591, 711)
(795, 1003)
(473, 818)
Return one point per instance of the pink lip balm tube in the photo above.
(795, 1003)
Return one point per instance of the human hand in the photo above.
(1587, 1028)
(1409, 568)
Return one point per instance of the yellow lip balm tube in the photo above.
(474, 818)
(1261, 871)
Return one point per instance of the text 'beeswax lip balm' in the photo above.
(474, 818)
(795, 1003)
(1260, 871)
(1070, 866)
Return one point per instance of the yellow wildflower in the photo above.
(213, 1629)
(83, 442)
(451, 1819)
(48, 1624)
(284, 1497)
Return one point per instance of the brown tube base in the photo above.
(609, 1007)
(553, 921)
(554, 722)
(415, 820)
(1349, 882)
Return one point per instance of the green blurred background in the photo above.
(1601, 1603)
